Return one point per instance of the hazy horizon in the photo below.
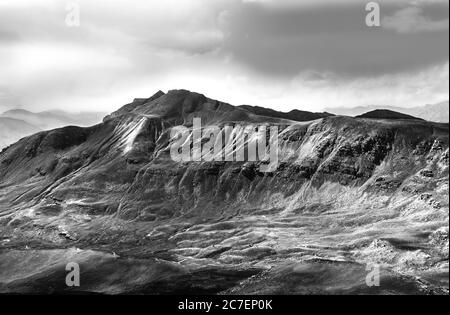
(93, 110)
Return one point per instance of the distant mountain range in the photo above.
(18, 123)
(432, 112)
(12, 130)
(55, 118)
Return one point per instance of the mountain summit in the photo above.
(180, 106)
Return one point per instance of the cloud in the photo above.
(8, 36)
(411, 20)
(283, 42)
(413, 88)
(279, 53)
(426, 2)
(7, 100)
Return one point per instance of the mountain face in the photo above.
(348, 194)
(27, 123)
(433, 112)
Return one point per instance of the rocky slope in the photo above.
(348, 192)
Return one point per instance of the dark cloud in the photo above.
(332, 38)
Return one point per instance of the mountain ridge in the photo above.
(347, 192)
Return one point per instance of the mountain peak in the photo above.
(180, 106)
(156, 96)
(137, 102)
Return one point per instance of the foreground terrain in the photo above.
(349, 193)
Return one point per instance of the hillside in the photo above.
(347, 193)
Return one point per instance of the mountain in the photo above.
(11, 130)
(432, 112)
(18, 123)
(386, 114)
(347, 194)
(295, 115)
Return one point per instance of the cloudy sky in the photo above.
(284, 54)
